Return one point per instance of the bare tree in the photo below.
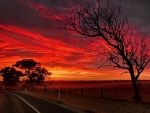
(125, 52)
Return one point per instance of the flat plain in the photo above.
(86, 96)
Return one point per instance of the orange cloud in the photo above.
(65, 61)
(44, 49)
(65, 55)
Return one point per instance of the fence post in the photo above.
(59, 95)
(116, 94)
(69, 91)
(61, 90)
(102, 93)
(25, 89)
(81, 91)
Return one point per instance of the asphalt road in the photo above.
(17, 102)
(11, 104)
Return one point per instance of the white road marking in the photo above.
(27, 103)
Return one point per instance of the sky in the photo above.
(28, 29)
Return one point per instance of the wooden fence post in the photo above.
(90, 92)
(116, 94)
(102, 93)
(81, 91)
(59, 95)
(61, 90)
(69, 91)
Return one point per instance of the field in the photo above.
(107, 89)
(86, 96)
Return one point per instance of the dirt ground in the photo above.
(95, 104)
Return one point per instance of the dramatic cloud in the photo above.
(28, 29)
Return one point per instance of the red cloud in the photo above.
(63, 59)
(52, 53)
(44, 12)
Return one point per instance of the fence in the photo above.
(101, 93)
(123, 92)
(113, 94)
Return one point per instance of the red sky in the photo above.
(28, 29)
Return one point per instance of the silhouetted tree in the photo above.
(34, 72)
(27, 65)
(38, 76)
(11, 77)
(93, 20)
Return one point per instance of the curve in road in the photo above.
(19, 102)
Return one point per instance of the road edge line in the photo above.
(26, 102)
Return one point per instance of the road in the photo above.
(18, 102)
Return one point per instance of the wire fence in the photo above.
(120, 94)
(121, 90)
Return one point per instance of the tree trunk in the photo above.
(137, 95)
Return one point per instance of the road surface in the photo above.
(18, 102)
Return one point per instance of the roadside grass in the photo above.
(89, 104)
(86, 96)
(60, 102)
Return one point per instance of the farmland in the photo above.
(90, 100)
(86, 96)
(111, 89)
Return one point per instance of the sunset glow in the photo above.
(28, 29)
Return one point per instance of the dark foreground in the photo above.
(17, 102)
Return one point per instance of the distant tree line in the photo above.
(32, 70)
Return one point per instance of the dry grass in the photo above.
(95, 104)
